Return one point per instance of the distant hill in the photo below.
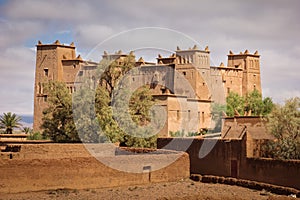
(27, 120)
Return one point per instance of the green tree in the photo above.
(268, 106)
(85, 116)
(254, 103)
(140, 105)
(112, 71)
(58, 124)
(135, 116)
(284, 124)
(9, 121)
(217, 111)
(234, 102)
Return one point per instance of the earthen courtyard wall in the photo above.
(225, 154)
(277, 172)
(54, 166)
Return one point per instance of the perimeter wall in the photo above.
(53, 166)
(228, 158)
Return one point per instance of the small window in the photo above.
(163, 89)
(80, 73)
(178, 115)
(45, 98)
(40, 88)
(184, 73)
(228, 90)
(46, 72)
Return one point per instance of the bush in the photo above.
(284, 124)
(177, 133)
(35, 136)
(192, 134)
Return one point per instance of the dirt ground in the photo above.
(185, 189)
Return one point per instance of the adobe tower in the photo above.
(250, 65)
(57, 62)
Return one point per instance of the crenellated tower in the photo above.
(194, 65)
(250, 64)
(57, 62)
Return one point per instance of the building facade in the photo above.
(183, 84)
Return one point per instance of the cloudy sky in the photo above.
(272, 27)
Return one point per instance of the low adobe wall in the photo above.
(228, 159)
(13, 137)
(216, 162)
(54, 166)
(277, 172)
(246, 183)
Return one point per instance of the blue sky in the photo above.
(271, 27)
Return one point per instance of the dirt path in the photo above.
(186, 189)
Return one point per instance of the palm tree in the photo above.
(9, 121)
(27, 130)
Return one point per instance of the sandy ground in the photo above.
(186, 189)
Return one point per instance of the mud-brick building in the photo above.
(183, 84)
(57, 62)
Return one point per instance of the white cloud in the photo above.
(92, 34)
(16, 32)
(281, 94)
(67, 10)
(17, 78)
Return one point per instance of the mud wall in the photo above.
(277, 172)
(228, 158)
(53, 166)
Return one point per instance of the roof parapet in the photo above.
(79, 57)
(246, 52)
(57, 42)
(141, 60)
(194, 48)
